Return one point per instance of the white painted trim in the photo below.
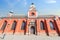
(36, 14)
(28, 14)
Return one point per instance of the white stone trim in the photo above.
(36, 14)
(28, 14)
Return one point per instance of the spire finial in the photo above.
(32, 3)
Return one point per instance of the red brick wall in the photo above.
(50, 31)
(39, 31)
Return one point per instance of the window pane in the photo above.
(4, 25)
(23, 25)
(14, 25)
(51, 25)
(42, 25)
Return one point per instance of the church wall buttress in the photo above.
(38, 27)
(27, 27)
(1, 24)
(57, 21)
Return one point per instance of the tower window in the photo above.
(32, 14)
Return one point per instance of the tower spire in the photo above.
(10, 13)
(32, 7)
(32, 11)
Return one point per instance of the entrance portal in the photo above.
(32, 30)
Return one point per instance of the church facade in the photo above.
(31, 24)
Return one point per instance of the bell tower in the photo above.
(32, 13)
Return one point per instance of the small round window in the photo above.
(32, 14)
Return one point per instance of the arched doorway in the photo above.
(32, 30)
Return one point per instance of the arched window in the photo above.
(52, 25)
(42, 25)
(14, 25)
(23, 25)
(4, 25)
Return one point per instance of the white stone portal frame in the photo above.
(29, 31)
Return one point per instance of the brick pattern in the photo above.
(18, 30)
